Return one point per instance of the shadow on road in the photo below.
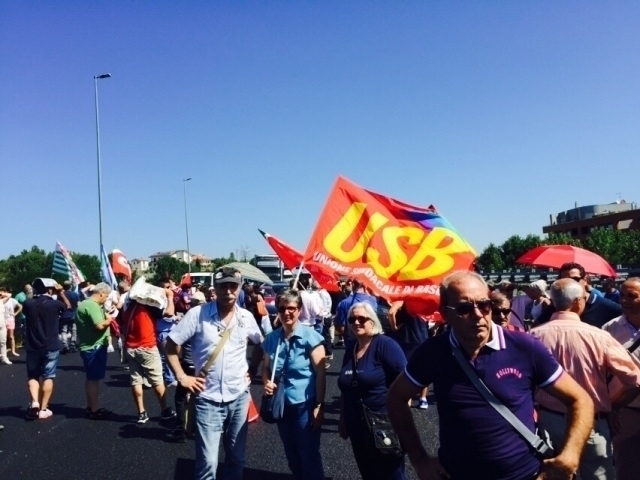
(119, 380)
(143, 431)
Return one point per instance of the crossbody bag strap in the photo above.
(534, 440)
(632, 345)
(216, 352)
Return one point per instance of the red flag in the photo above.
(186, 280)
(396, 249)
(120, 264)
(293, 259)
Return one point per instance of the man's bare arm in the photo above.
(580, 415)
(400, 392)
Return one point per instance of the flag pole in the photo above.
(295, 282)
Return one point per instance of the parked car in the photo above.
(280, 286)
(268, 294)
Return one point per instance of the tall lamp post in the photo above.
(186, 219)
(95, 84)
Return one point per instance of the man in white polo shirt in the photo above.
(311, 304)
(223, 395)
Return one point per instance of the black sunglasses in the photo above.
(577, 279)
(358, 318)
(467, 308)
(287, 309)
(501, 311)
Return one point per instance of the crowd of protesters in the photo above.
(563, 359)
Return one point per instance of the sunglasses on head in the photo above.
(358, 318)
(501, 311)
(287, 309)
(467, 308)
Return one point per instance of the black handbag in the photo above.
(381, 431)
(272, 406)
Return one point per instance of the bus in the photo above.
(273, 267)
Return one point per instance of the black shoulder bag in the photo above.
(380, 429)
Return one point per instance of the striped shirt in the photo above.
(623, 330)
(588, 354)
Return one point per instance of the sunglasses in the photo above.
(577, 279)
(287, 309)
(358, 318)
(501, 311)
(467, 308)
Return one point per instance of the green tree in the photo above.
(19, 270)
(515, 246)
(490, 258)
(562, 239)
(89, 265)
(169, 267)
(629, 246)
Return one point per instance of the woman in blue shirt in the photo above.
(300, 365)
(377, 360)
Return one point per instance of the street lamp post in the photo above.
(95, 83)
(186, 219)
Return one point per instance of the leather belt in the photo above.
(597, 416)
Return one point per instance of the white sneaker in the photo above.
(110, 349)
(46, 413)
(6, 361)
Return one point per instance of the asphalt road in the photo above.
(68, 446)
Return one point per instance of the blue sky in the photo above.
(499, 113)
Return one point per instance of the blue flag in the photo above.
(105, 269)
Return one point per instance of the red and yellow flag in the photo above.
(396, 249)
(292, 258)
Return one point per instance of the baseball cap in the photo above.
(228, 275)
(198, 298)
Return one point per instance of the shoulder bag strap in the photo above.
(632, 344)
(216, 352)
(534, 440)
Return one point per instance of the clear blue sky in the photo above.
(499, 113)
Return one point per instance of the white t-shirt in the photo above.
(226, 379)
(325, 298)
(10, 305)
(111, 302)
(311, 307)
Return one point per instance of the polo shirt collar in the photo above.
(497, 341)
(564, 316)
(296, 330)
(213, 311)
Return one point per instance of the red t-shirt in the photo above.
(142, 331)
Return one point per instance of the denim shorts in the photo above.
(95, 362)
(42, 363)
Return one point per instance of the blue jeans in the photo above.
(229, 421)
(42, 363)
(301, 442)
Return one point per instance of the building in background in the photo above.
(581, 221)
(205, 263)
(140, 264)
(182, 255)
